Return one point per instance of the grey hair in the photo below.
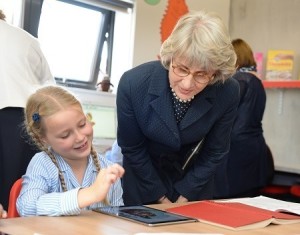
(202, 40)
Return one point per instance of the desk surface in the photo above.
(89, 222)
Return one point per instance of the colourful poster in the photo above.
(259, 57)
(280, 65)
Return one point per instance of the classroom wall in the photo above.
(268, 24)
(147, 24)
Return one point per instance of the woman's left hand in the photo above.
(181, 199)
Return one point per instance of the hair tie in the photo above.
(36, 117)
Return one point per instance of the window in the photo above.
(104, 120)
(78, 37)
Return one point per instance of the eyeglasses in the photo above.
(200, 77)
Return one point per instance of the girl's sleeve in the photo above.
(38, 195)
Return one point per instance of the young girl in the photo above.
(67, 175)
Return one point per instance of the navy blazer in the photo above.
(147, 131)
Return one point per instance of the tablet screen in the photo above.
(145, 215)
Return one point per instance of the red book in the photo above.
(234, 215)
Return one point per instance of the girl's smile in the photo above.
(69, 134)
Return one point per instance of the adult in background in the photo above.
(23, 68)
(249, 161)
(165, 108)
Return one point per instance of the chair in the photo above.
(13, 195)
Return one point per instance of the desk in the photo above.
(89, 222)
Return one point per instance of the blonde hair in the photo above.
(43, 103)
(244, 53)
(202, 40)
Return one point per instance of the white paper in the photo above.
(269, 204)
(178, 234)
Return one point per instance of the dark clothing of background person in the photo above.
(150, 138)
(249, 163)
(13, 143)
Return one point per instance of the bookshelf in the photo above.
(281, 84)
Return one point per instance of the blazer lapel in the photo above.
(201, 104)
(162, 104)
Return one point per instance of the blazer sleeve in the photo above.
(133, 142)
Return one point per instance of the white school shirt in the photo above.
(23, 66)
(42, 194)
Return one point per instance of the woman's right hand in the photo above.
(97, 192)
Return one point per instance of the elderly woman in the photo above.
(165, 108)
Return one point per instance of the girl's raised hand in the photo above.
(106, 178)
(98, 190)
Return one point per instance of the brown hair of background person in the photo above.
(245, 57)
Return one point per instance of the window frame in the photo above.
(32, 13)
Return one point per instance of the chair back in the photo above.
(13, 195)
(295, 190)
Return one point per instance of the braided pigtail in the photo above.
(95, 158)
(60, 174)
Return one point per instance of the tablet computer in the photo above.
(145, 215)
